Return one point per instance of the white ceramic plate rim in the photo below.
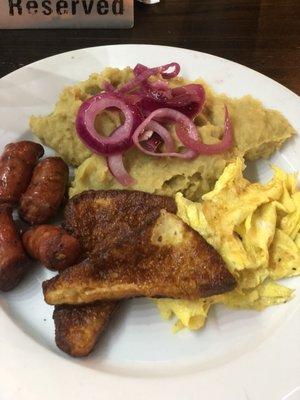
(29, 371)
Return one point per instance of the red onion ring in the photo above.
(117, 169)
(120, 139)
(190, 138)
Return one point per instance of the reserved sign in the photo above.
(66, 14)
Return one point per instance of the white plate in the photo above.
(239, 355)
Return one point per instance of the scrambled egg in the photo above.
(256, 229)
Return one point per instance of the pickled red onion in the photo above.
(187, 134)
(121, 138)
(191, 139)
(117, 169)
(153, 143)
(163, 134)
(146, 73)
(150, 124)
(188, 99)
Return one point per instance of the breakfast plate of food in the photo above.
(149, 228)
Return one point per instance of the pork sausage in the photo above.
(46, 191)
(13, 260)
(16, 166)
(52, 246)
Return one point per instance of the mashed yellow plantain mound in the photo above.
(255, 227)
(257, 133)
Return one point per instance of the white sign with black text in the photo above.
(66, 14)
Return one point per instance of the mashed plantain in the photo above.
(258, 132)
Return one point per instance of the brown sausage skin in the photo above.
(45, 192)
(13, 260)
(52, 246)
(16, 166)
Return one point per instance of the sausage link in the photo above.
(16, 166)
(52, 246)
(13, 260)
(45, 192)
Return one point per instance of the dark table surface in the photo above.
(264, 35)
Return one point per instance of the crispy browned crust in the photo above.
(190, 273)
(136, 265)
(103, 219)
(78, 328)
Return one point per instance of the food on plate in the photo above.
(38, 190)
(164, 258)
(52, 246)
(78, 328)
(193, 314)
(190, 231)
(189, 314)
(257, 132)
(13, 260)
(16, 165)
(46, 191)
(257, 234)
(101, 220)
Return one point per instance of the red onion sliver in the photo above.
(164, 134)
(133, 98)
(117, 169)
(149, 124)
(160, 85)
(169, 75)
(139, 68)
(108, 87)
(191, 139)
(188, 99)
(146, 73)
(152, 143)
(158, 89)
